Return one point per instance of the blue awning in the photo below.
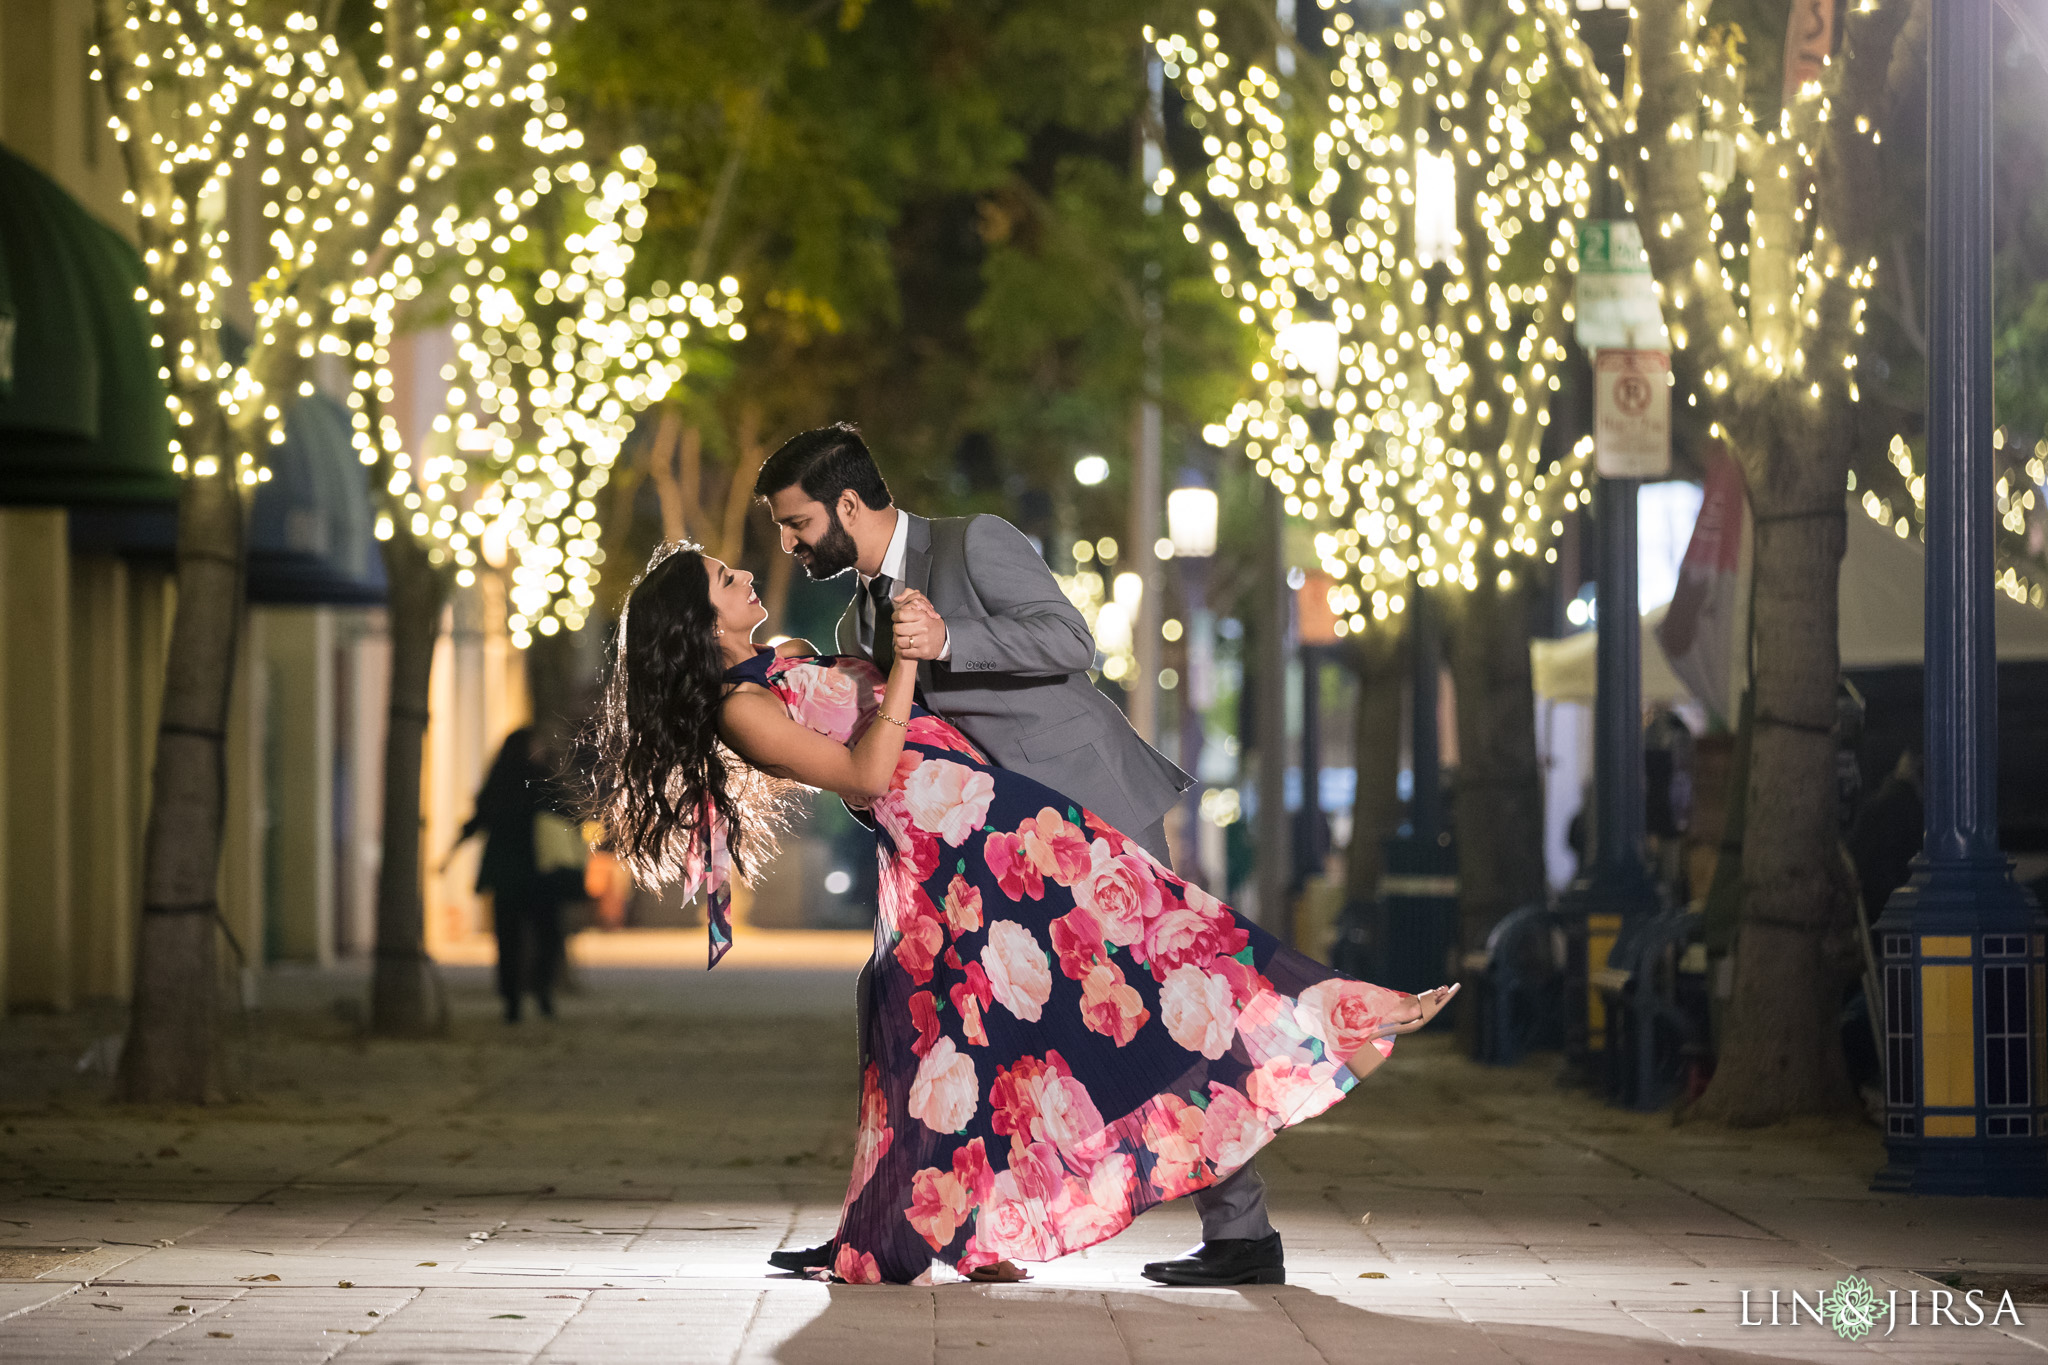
(311, 538)
(311, 531)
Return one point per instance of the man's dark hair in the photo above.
(825, 463)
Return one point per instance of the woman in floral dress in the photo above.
(1063, 1033)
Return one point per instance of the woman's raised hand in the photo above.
(1431, 1001)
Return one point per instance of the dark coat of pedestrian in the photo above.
(526, 820)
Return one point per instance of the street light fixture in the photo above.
(1191, 516)
(1436, 208)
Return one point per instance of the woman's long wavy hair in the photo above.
(661, 776)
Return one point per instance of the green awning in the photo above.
(82, 413)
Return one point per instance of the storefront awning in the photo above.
(82, 413)
(310, 525)
(310, 532)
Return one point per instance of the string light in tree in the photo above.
(1766, 300)
(556, 367)
(1405, 245)
(345, 160)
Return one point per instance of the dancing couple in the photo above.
(1056, 1032)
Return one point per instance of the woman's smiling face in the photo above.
(733, 598)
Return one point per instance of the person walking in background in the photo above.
(533, 862)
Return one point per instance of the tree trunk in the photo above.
(405, 995)
(1498, 810)
(1781, 1055)
(172, 1053)
(1498, 804)
(1376, 752)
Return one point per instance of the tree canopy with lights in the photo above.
(1405, 241)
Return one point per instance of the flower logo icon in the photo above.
(1852, 1309)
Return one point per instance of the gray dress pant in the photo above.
(1234, 1207)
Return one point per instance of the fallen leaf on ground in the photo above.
(220, 1334)
(110, 1307)
(507, 1315)
(1373, 1275)
(344, 1284)
(181, 1308)
(250, 1279)
(430, 1263)
(1366, 1220)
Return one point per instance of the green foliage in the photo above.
(935, 216)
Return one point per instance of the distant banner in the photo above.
(1698, 633)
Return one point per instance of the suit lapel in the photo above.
(849, 628)
(917, 555)
(917, 573)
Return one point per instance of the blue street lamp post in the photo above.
(1615, 890)
(1962, 942)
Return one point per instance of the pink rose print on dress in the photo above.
(1055, 846)
(1122, 891)
(963, 905)
(948, 799)
(1233, 1128)
(1289, 1091)
(1173, 1130)
(1014, 1225)
(946, 1091)
(923, 937)
(1013, 870)
(1041, 1102)
(820, 698)
(1196, 930)
(971, 1168)
(1077, 942)
(856, 1267)
(1086, 1212)
(924, 1012)
(971, 996)
(871, 1142)
(1345, 1016)
(938, 1205)
(934, 733)
(1196, 1008)
(1017, 970)
(1102, 829)
(1246, 985)
(1110, 1006)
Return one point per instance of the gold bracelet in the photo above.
(901, 724)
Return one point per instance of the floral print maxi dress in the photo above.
(1062, 1033)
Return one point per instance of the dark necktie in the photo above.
(884, 647)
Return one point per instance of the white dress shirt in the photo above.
(892, 569)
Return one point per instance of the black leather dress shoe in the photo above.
(1226, 1260)
(797, 1262)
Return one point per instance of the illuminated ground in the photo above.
(604, 1189)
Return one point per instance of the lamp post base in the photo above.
(1594, 911)
(1966, 1065)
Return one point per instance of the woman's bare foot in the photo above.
(1002, 1272)
(1430, 1001)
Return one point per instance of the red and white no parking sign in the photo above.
(1632, 414)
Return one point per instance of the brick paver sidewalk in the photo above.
(603, 1189)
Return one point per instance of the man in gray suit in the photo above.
(1004, 656)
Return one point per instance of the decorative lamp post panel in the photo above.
(1962, 941)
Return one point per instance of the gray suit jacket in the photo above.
(1016, 678)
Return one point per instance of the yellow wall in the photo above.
(51, 112)
(35, 623)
